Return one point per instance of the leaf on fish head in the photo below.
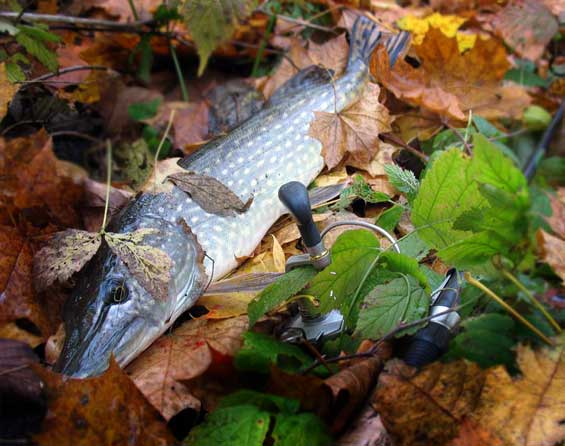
(149, 265)
(65, 254)
(210, 194)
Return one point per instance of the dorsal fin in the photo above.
(305, 79)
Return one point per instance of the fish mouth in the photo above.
(90, 356)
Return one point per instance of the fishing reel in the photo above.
(425, 346)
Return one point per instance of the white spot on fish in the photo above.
(194, 219)
(240, 160)
(224, 171)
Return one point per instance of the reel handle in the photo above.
(294, 196)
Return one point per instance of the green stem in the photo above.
(474, 282)
(178, 70)
(532, 299)
(162, 143)
(133, 10)
(263, 44)
(108, 184)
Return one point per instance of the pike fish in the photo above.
(110, 313)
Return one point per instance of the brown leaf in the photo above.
(459, 404)
(353, 131)
(557, 219)
(149, 265)
(94, 202)
(552, 251)
(366, 430)
(450, 83)
(7, 90)
(527, 26)
(65, 254)
(107, 409)
(18, 299)
(210, 194)
(163, 372)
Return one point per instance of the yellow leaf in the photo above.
(447, 24)
(7, 90)
(279, 258)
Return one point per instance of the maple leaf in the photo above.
(107, 409)
(162, 371)
(65, 255)
(7, 90)
(527, 26)
(450, 83)
(460, 404)
(353, 131)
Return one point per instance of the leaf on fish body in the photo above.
(67, 252)
(210, 194)
(149, 265)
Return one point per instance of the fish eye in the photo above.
(118, 294)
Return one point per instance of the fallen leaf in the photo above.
(13, 331)
(459, 404)
(20, 390)
(354, 131)
(527, 26)
(331, 54)
(164, 371)
(107, 409)
(123, 11)
(451, 84)
(65, 254)
(279, 258)
(557, 219)
(210, 194)
(552, 251)
(7, 89)
(149, 265)
(94, 203)
(366, 430)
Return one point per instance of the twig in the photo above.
(460, 136)
(24, 122)
(532, 299)
(14, 369)
(52, 18)
(78, 135)
(162, 142)
(395, 140)
(472, 281)
(300, 22)
(108, 184)
(72, 69)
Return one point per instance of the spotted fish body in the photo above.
(254, 160)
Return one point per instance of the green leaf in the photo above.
(352, 255)
(446, 192)
(144, 110)
(403, 180)
(278, 292)
(243, 425)
(486, 340)
(211, 23)
(38, 50)
(263, 401)
(304, 429)
(390, 218)
(403, 264)
(536, 117)
(260, 352)
(400, 301)
(39, 33)
(15, 73)
(145, 58)
(412, 245)
(360, 189)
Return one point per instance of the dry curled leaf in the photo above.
(450, 83)
(7, 90)
(354, 131)
(65, 254)
(210, 194)
(107, 409)
(149, 265)
(163, 372)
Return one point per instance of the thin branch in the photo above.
(72, 69)
(58, 18)
(395, 140)
(460, 136)
(77, 135)
(108, 184)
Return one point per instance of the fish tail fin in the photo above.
(396, 45)
(364, 38)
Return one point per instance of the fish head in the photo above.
(111, 313)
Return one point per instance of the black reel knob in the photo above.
(294, 196)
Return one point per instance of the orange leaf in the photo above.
(353, 131)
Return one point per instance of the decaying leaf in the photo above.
(450, 83)
(459, 404)
(527, 26)
(7, 89)
(210, 194)
(354, 131)
(149, 265)
(107, 409)
(552, 251)
(67, 252)
(163, 372)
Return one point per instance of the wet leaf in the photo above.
(67, 252)
(163, 371)
(149, 265)
(450, 83)
(354, 131)
(108, 409)
(210, 194)
(7, 88)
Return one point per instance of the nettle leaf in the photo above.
(403, 264)
(403, 180)
(260, 352)
(213, 22)
(390, 218)
(149, 265)
(353, 253)
(67, 252)
(400, 301)
(248, 418)
(38, 50)
(360, 189)
(278, 292)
